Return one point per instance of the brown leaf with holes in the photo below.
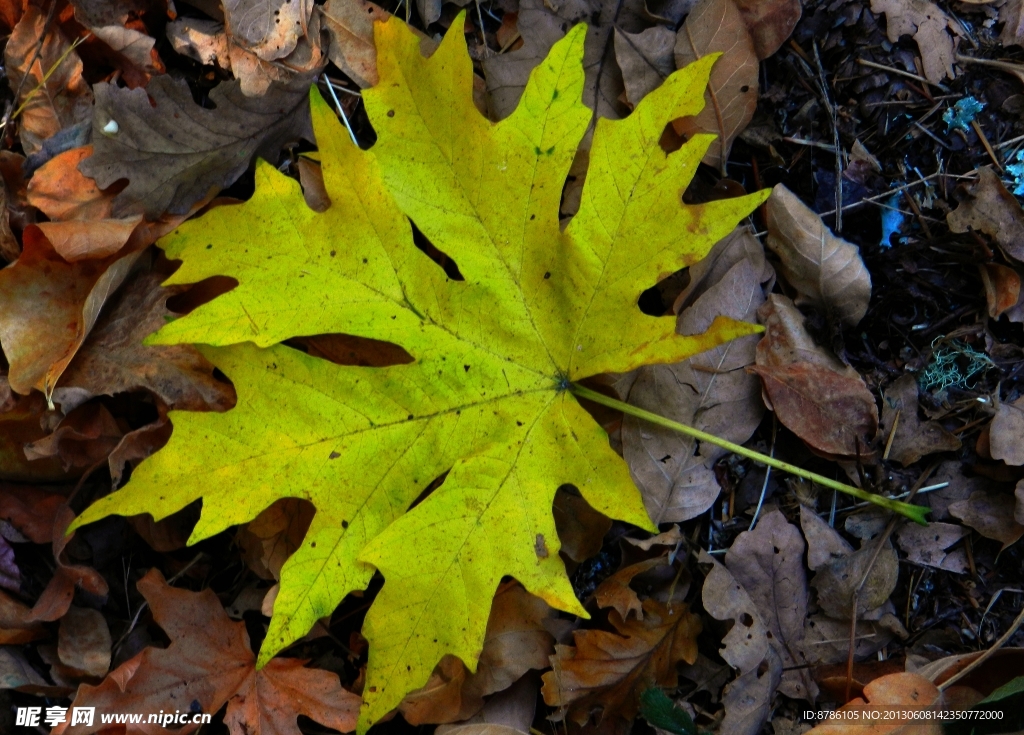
(715, 26)
(913, 438)
(64, 99)
(210, 662)
(607, 671)
(936, 34)
(825, 270)
(929, 545)
(516, 642)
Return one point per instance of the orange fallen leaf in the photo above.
(209, 663)
(901, 692)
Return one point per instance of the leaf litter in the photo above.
(874, 395)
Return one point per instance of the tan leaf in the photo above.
(768, 562)
(786, 340)
(65, 98)
(269, 28)
(746, 645)
(936, 35)
(210, 662)
(84, 641)
(710, 391)
(1002, 289)
(837, 581)
(827, 640)
(581, 529)
(271, 537)
(928, 545)
(609, 671)
(770, 22)
(988, 207)
(516, 641)
(616, 593)
(913, 438)
(747, 699)
(717, 26)
(200, 39)
(824, 544)
(645, 59)
(991, 515)
(1006, 437)
(825, 270)
(350, 25)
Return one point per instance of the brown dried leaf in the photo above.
(913, 438)
(827, 640)
(936, 35)
(271, 537)
(114, 360)
(825, 270)
(770, 22)
(65, 98)
(645, 58)
(991, 515)
(786, 340)
(581, 529)
(22, 422)
(210, 662)
(731, 95)
(608, 671)
(616, 593)
(988, 207)
(30, 510)
(83, 641)
(1006, 435)
(928, 545)
(84, 437)
(516, 642)
(711, 391)
(1018, 511)
(747, 699)
(62, 193)
(768, 562)
(824, 544)
(1002, 289)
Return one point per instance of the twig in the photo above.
(884, 194)
(833, 114)
(341, 111)
(985, 656)
(855, 598)
(900, 72)
(988, 146)
(915, 512)
(812, 143)
(767, 474)
(28, 68)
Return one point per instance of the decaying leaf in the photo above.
(606, 672)
(485, 400)
(768, 562)
(274, 535)
(893, 690)
(827, 640)
(209, 664)
(770, 22)
(1002, 290)
(746, 645)
(747, 699)
(988, 207)
(581, 529)
(824, 544)
(937, 36)
(114, 360)
(717, 26)
(711, 391)
(84, 641)
(200, 150)
(991, 515)
(814, 395)
(826, 271)
(913, 438)
(269, 28)
(837, 581)
(929, 545)
(516, 642)
(350, 25)
(64, 99)
(645, 59)
(1006, 434)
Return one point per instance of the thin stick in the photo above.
(836, 144)
(341, 110)
(985, 656)
(914, 512)
(988, 146)
(767, 474)
(907, 74)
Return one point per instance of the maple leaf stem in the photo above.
(914, 512)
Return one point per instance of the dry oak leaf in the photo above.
(717, 26)
(746, 644)
(711, 391)
(894, 691)
(269, 28)
(516, 642)
(825, 270)
(174, 153)
(65, 98)
(937, 36)
(824, 544)
(645, 59)
(988, 207)
(209, 663)
(607, 671)
(913, 438)
(1006, 433)
(486, 397)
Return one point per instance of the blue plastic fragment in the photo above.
(962, 114)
